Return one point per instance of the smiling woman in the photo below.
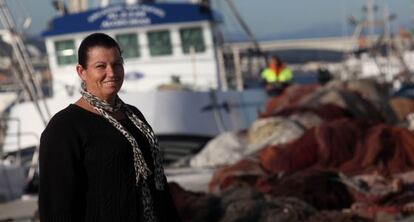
(103, 75)
(99, 158)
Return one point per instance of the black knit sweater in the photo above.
(87, 173)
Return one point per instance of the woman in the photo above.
(99, 158)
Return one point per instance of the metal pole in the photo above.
(237, 69)
(222, 72)
(219, 54)
(19, 148)
(193, 64)
(246, 28)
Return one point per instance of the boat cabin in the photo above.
(161, 43)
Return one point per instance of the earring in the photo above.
(83, 85)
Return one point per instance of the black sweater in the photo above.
(87, 173)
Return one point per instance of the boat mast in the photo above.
(371, 16)
(30, 85)
(245, 27)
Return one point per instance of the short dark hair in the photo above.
(277, 58)
(94, 40)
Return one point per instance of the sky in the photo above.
(268, 19)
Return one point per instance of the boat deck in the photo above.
(22, 210)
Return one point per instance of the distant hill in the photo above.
(319, 31)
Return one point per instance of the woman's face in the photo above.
(104, 72)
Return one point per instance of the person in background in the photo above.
(276, 76)
(99, 158)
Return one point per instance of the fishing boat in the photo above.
(172, 74)
(378, 54)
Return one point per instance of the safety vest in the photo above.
(271, 77)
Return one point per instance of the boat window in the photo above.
(192, 38)
(65, 51)
(129, 45)
(159, 43)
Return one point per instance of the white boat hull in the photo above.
(169, 113)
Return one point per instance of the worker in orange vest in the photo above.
(276, 76)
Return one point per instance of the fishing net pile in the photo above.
(341, 152)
